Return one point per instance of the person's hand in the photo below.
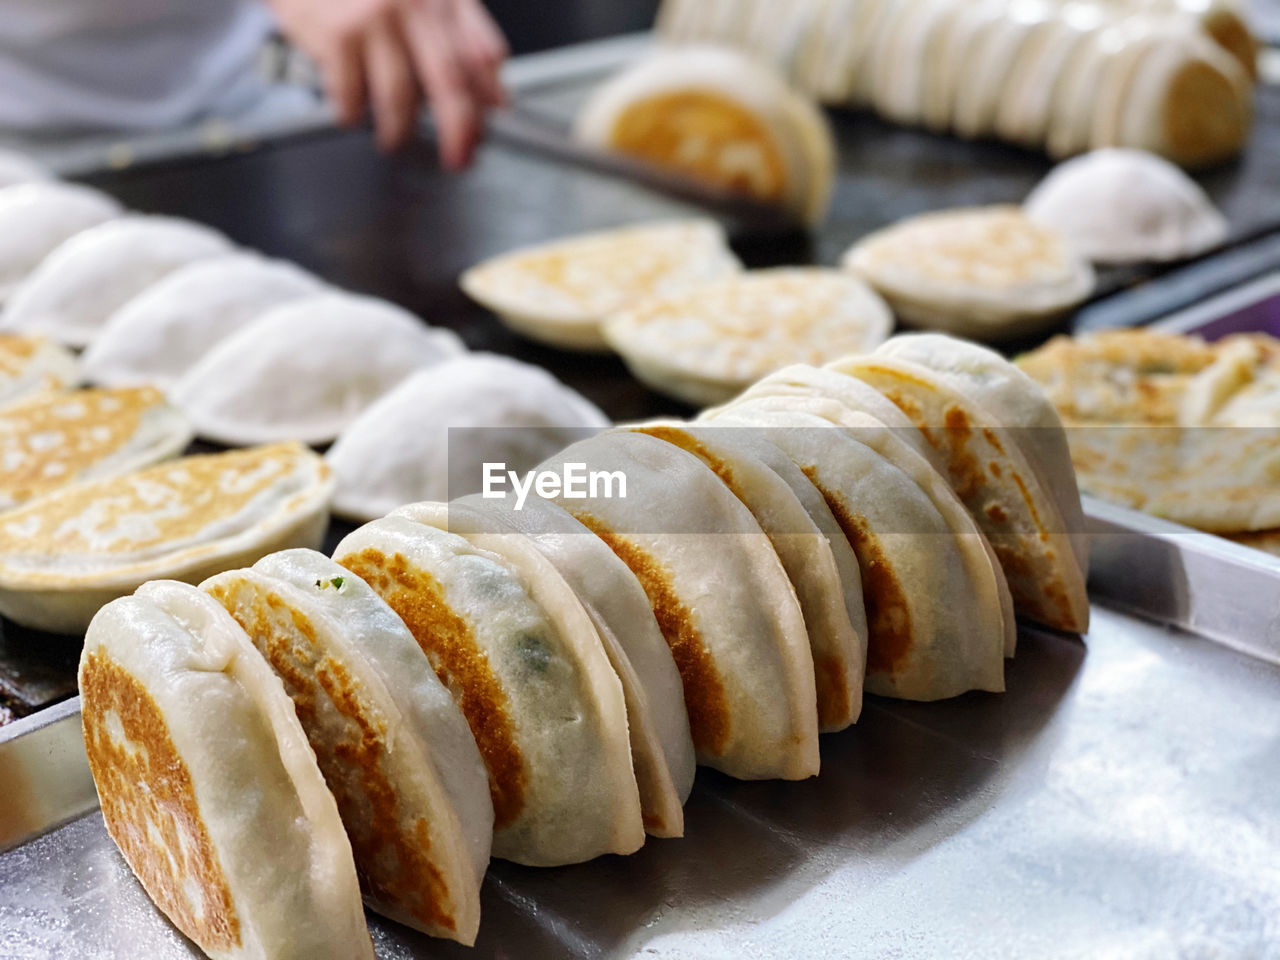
(388, 54)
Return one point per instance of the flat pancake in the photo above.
(985, 272)
(706, 344)
(560, 292)
(67, 553)
(52, 440)
(30, 365)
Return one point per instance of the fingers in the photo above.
(430, 34)
(343, 70)
(393, 87)
(483, 51)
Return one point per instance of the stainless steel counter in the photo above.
(1122, 799)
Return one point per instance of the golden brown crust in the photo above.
(704, 694)
(829, 670)
(50, 440)
(78, 518)
(450, 644)
(1205, 119)
(834, 706)
(1233, 34)
(393, 860)
(889, 627)
(1118, 376)
(660, 128)
(683, 440)
(150, 807)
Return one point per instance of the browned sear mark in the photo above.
(147, 792)
(888, 616)
(833, 690)
(393, 857)
(704, 694)
(450, 644)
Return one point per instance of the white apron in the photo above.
(74, 65)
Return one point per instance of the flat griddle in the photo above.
(886, 172)
(402, 228)
(1119, 799)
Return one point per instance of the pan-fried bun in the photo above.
(208, 786)
(393, 746)
(521, 658)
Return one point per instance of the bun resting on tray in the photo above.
(208, 786)
(429, 438)
(36, 217)
(166, 329)
(719, 117)
(306, 369)
(560, 292)
(51, 440)
(721, 596)
(520, 655)
(658, 726)
(64, 555)
(985, 272)
(993, 475)
(1126, 206)
(30, 365)
(810, 544)
(393, 746)
(935, 620)
(73, 291)
(706, 343)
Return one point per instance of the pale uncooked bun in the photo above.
(401, 450)
(1127, 206)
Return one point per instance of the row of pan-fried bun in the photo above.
(767, 563)
(726, 120)
(1168, 76)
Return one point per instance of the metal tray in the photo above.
(1117, 800)
(1182, 576)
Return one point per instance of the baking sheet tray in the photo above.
(1119, 800)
